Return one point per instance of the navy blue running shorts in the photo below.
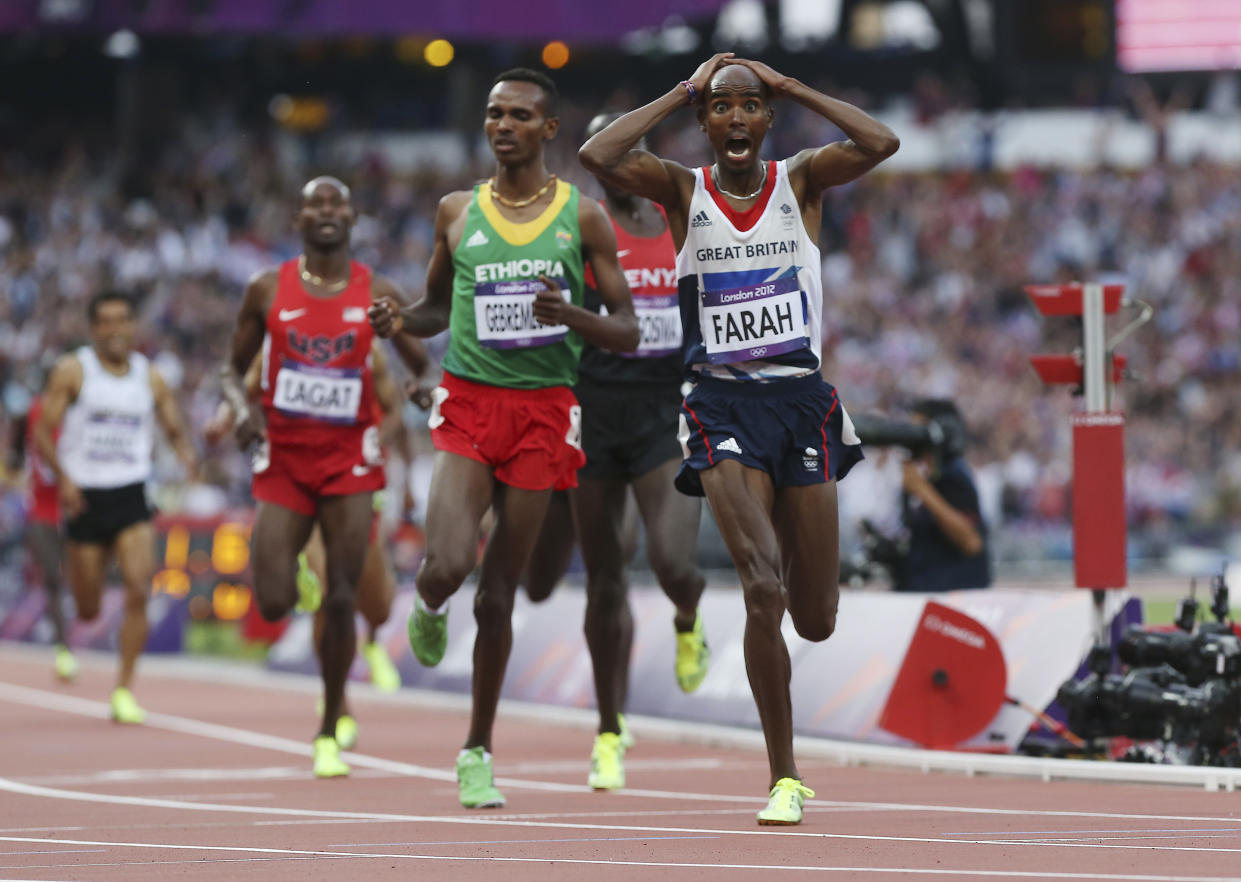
(795, 430)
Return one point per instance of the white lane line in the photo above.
(484, 821)
(114, 776)
(69, 704)
(671, 865)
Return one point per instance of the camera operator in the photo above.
(945, 543)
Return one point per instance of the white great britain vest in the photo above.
(751, 300)
(109, 432)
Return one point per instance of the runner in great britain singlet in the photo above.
(751, 285)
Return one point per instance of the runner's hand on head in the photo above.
(385, 316)
(778, 83)
(702, 77)
(72, 503)
(549, 303)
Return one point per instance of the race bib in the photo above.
(659, 324)
(329, 394)
(504, 315)
(754, 321)
(113, 438)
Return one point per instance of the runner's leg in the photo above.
(519, 516)
(345, 522)
(741, 500)
(598, 512)
(135, 558)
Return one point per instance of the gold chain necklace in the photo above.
(715, 176)
(319, 281)
(520, 203)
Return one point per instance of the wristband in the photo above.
(689, 87)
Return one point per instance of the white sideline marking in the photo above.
(990, 874)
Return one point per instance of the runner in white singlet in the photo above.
(764, 437)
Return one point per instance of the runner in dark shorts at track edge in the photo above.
(104, 399)
(318, 458)
(506, 276)
(764, 437)
(630, 405)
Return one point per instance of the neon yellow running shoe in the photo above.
(693, 656)
(626, 736)
(607, 767)
(309, 589)
(124, 708)
(346, 732)
(328, 763)
(384, 675)
(476, 780)
(65, 664)
(428, 633)
(784, 805)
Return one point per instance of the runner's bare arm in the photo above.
(246, 343)
(252, 382)
(429, 316)
(869, 142)
(618, 330)
(411, 350)
(63, 386)
(170, 420)
(386, 393)
(611, 153)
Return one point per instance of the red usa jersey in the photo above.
(317, 382)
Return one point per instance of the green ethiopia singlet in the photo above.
(496, 267)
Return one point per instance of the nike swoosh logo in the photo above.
(287, 315)
(361, 470)
(620, 254)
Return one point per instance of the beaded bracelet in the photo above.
(689, 87)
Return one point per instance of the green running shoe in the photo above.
(384, 675)
(476, 780)
(693, 656)
(309, 589)
(784, 806)
(328, 763)
(64, 663)
(607, 767)
(428, 633)
(346, 732)
(124, 708)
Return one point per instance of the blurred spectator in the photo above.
(923, 273)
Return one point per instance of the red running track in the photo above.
(217, 785)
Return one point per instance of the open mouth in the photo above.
(737, 148)
(327, 227)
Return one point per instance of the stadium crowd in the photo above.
(924, 274)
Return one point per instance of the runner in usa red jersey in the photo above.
(43, 539)
(318, 457)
